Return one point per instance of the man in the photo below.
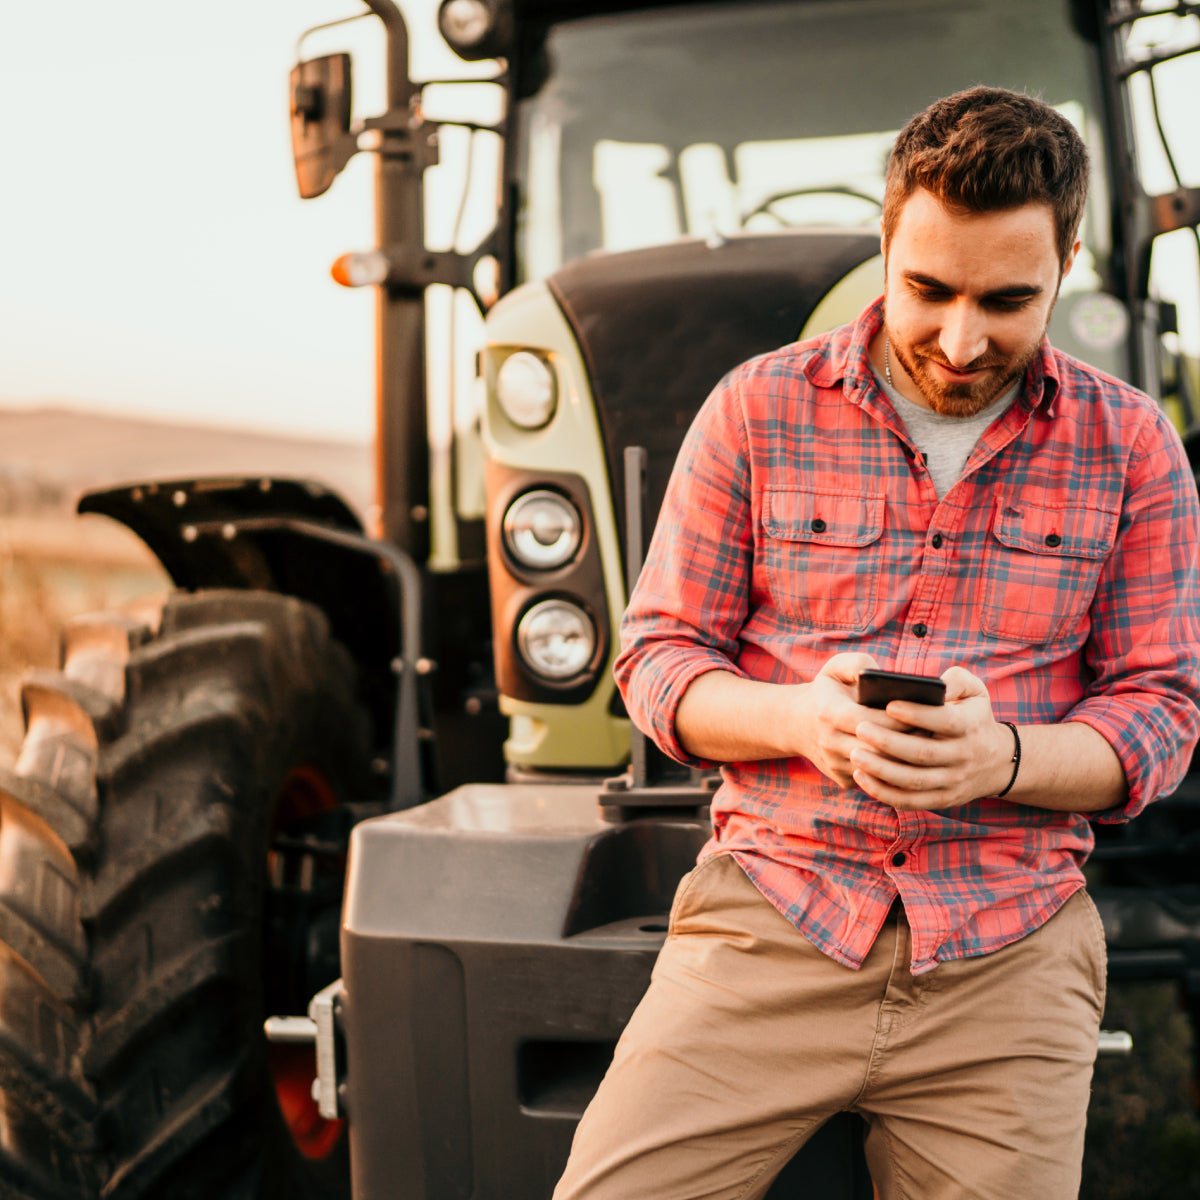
(890, 916)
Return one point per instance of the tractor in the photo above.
(337, 871)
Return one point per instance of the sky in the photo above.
(155, 258)
(154, 255)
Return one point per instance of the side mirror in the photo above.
(322, 143)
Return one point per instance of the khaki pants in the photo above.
(973, 1078)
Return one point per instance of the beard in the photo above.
(961, 399)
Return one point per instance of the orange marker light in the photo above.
(365, 268)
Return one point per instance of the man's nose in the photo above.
(964, 335)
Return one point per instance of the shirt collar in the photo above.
(844, 361)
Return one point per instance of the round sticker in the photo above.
(1099, 320)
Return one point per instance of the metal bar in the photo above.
(1114, 1041)
(635, 485)
(399, 85)
(406, 791)
(1133, 66)
(325, 25)
(1129, 233)
(401, 439)
(290, 1031)
(1127, 17)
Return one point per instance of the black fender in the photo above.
(292, 536)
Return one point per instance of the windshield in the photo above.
(706, 120)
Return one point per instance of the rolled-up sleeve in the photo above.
(1144, 647)
(690, 601)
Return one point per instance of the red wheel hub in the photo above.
(306, 793)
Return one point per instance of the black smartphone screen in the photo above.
(876, 688)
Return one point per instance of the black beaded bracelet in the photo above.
(1016, 758)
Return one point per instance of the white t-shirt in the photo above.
(945, 442)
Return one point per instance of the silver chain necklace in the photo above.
(887, 362)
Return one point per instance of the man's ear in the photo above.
(1066, 269)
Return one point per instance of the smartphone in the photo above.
(876, 688)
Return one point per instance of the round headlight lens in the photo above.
(525, 389)
(556, 639)
(542, 530)
(464, 23)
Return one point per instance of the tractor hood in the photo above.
(658, 328)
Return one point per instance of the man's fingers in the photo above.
(898, 743)
(897, 798)
(960, 684)
(848, 665)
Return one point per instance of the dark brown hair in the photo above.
(986, 149)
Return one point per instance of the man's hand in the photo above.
(913, 756)
(730, 719)
(947, 754)
(832, 717)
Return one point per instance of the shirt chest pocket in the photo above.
(821, 553)
(1041, 569)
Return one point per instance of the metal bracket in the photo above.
(324, 1009)
(1179, 209)
(413, 269)
(621, 798)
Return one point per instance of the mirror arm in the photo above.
(401, 89)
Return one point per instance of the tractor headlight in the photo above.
(526, 390)
(556, 639)
(542, 530)
(476, 29)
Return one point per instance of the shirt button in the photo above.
(920, 629)
(898, 859)
(1052, 539)
(818, 525)
(936, 541)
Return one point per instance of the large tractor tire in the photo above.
(172, 848)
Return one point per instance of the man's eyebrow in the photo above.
(1013, 291)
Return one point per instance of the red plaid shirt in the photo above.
(1061, 569)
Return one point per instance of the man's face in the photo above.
(967, 299)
